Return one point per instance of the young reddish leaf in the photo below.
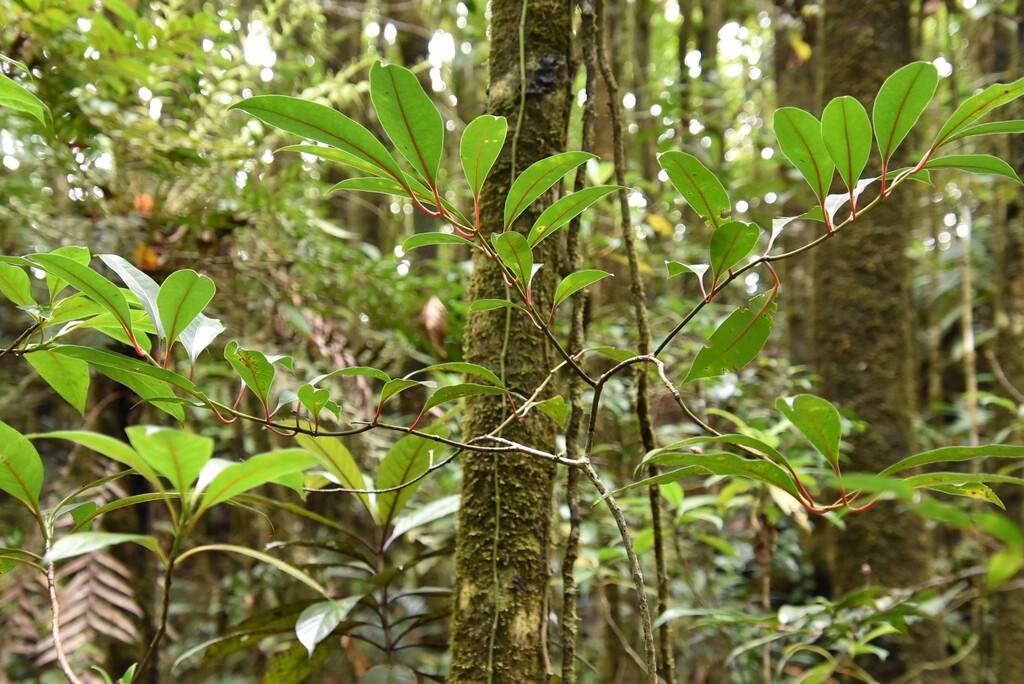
(326, 125)
(973, 108)
(900, 102)
(991, 128)
(67, 376)
(818, 421)
(537, 179)
(574, 282)
(183, 296)
(409, 118)
(799, 136)
(730, 244)
(93, 285)
(21, 469)
(984, 164)
(480, 146)
(698, 185)
(514, 251)
(736, 341)
(566, 209)
(846, 130)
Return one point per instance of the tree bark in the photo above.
(862, 340)
(501, 558)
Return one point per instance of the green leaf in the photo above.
(107, 446)
(984, 164)
(701, 188)
(817, 420)
(537, 179)
(253, 472)
(971, 490)
(81, 543)
(425, 239)
(745, 441)
(406, 461)
(991, 128)
(144, 287)
(21, 469)
(730, 244)
(491, 304)
(973, 108)
(183, 296)
(460, 391)
(554, 408)
(899, 104)
(15, 285)
(423, 515)
(289, 570)
(313, 399)
(15, 96)
(383, 186)
(872, 483)
(317, 621)
(481, 144)
(730, 465)
(515, 252)
(374, 373)
(409, 118)
(335, 457)
(956, 454)
(462, 367)
(574, 282)
(255, 370)
(736, 341)
(566, 209)
(340, 157)
(676, 268)
(178, 456)
(1002, 566)
(93, 285)
(54, 283)
(323, 124)
(393, 387)
(68, 377)
(846, 130)
(799, 136)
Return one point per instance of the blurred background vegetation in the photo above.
(144, 160)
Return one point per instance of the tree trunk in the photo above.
(501, 558)
(862, 339)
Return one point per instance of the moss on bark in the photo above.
(502, 544)
(862, 340)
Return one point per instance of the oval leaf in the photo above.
(698, 185)
(480, 147)
(730, 244)
(846, 130)
(566, 209)
(736, 341)
(537, 179)
(15, 285)
(574, 282)
(335, 457)
(178, 456)
(818, 421)
(21, 469)
(67, 376)
(183, 296)
(900, 102)
(514, 251)
(317, 621)
(799, 136)
(321, 123)
(409, 118)
(404, 463)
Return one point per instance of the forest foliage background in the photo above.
(144, 160)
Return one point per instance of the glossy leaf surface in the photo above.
(899, 104)
(701, 188)
(409, 118)
(736, 341)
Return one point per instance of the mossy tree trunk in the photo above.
(862, 341)
(501, 553)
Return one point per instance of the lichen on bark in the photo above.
(503, 534)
